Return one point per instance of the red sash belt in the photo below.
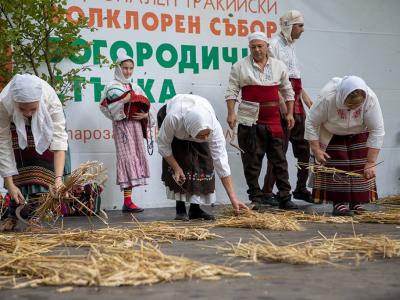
(297, 87)
(268, 115)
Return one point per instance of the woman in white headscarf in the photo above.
(192, 145)
(125, 103)
(33, 140)
(345, 130)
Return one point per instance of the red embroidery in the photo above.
(357, 113)
(342, 113)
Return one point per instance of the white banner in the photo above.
(188, 46)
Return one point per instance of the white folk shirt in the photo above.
(173, 126)
(280, 49)
(339, 121)
(247, 72)
(60, 138)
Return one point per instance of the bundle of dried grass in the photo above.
(389, 200)
(105, 266)
(50, 204)
(319, 250)
(317, 168)
(385, 217)
(154, 232)
(314, 217)
(256, 220)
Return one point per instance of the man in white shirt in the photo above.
(282, 47)
(260, 79)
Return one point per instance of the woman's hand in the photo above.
(179, 176)
(58, 183)
(238, 205)
(15, 194)
(140, 116)
(369, 170)
(321, 156)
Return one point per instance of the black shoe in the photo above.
(181, 214)
(195, 212)
(181, 217)
(256, 199)
(340, 210)
(270, 200)
(130, 209)
(303, 195)
(286, 203)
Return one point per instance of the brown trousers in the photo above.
(257, 142)
(301, 151)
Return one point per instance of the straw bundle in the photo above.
(317, 168)
(386, 217)
(316, 251)
(315, 218)
(389, 200)
(252, 219)
(50, 203)
(106, 266)
(320, 172)
(155, 232)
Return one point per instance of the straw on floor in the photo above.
(393, 200)
(319, 250)
(391, 216)
(104, 257)
(256, 220)
(104, 265)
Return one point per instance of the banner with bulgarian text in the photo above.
(189, 46)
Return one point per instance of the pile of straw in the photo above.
(384, 217)
(154, 232)
(105, 266)
(104, 257)
(256, 220)
(50, 203)
(319, 250)
(314, 218)
(389, 200)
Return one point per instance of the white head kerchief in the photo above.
(198, 118)
(258, 35)
(346, 86)
(287, 21)
(118, 75)
(27, 88)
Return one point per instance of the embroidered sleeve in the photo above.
(60, 137)
(7, 160)
(233, 88)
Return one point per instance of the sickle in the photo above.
(18, 214)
